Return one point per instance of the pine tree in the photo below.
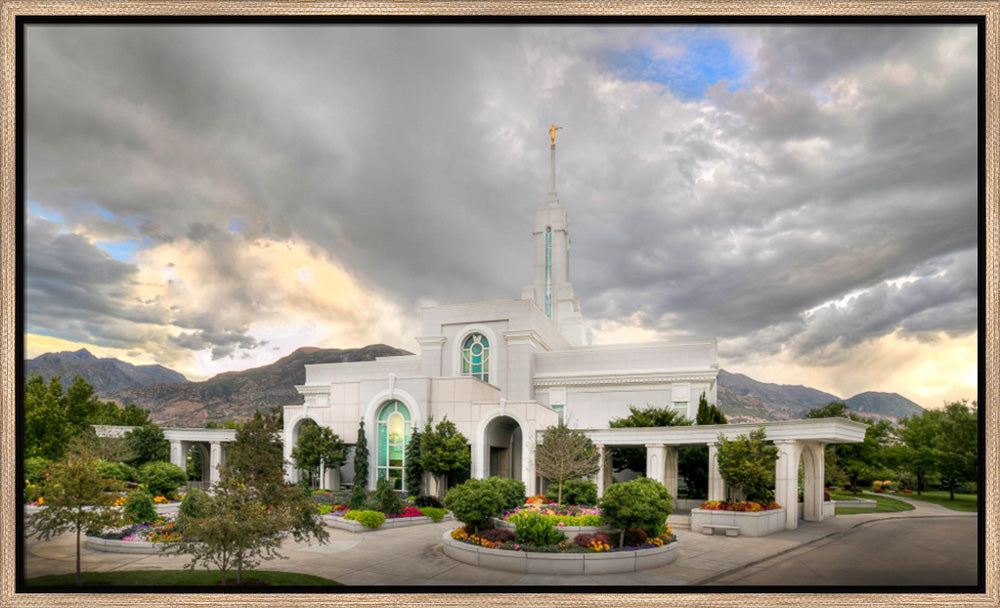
(358, 491)
(414, 474)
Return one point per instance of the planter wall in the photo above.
(859, 503)
(397, 522)
(569, 531)
(558, 563)
(760, 523)
(122, 546)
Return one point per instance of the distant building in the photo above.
(501, 371)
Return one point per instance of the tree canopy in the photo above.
(318, 445)
(746, 463)
(634, 459)
(443, 451)
(565, 453)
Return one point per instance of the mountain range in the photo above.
(106, 374)
(174, 401)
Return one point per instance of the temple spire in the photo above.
(552, 160)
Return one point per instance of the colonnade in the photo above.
(662, 466)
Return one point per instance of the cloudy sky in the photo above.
(212, 197)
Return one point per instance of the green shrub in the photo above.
(139, 508)
(474, 503)
(195, 504)
(368, 519)
(358, 496)
(534, 529)
(433, 513)
(34, 469)
(510, 490)
(640, 503)
(117, 470)
(162, 478)
(386, 499)
(566, 520)
(574, 492)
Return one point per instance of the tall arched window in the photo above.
(476, 357)
(394, 431)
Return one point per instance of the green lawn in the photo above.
(962, 502)
(883, 504)
(153, 578)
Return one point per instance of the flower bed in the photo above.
(366, 521)
(739, 518)
(597, 558)
(571, 521)
(133, 538)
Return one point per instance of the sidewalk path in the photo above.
(413, 556)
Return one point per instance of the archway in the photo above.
(503, 446)
(197, 461)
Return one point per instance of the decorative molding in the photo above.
(625, 377)
(525, 336)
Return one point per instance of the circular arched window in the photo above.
(476, 357)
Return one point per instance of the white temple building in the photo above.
(502, 371)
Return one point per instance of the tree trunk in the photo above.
(79, 575)
(559, 499)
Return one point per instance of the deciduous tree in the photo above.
(75, 498)
(318, 445)
(746, 463)
(565, 453)
(443, 451)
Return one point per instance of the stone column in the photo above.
(177, 453)
(655, 456)
(604, 472)
(670, 470)
(716, 486)
(786, 480)
(215, 461)
(813, 457)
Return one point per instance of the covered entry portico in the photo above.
(795, 440)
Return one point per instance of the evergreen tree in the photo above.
(634, 459)
(692, 462)
(414, 474)
(361, 458)
(146, 444)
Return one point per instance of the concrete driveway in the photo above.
(930, 545)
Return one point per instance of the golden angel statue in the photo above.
(552, 133)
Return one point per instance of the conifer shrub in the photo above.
(139, 508)
(359, 497)
(386, 499)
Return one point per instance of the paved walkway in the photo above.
(413, 556)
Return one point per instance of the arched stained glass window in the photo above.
(476, 357)
(394, 431)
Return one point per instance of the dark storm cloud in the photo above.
(415, 156)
